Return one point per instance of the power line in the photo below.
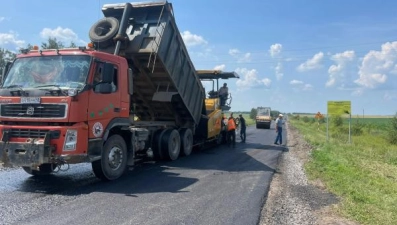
(305, 49)
(268, 60)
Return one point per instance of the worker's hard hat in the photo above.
(280, 115)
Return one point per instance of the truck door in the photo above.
(103, 108)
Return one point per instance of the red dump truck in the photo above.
(132, 93)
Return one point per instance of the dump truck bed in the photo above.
(166, 86)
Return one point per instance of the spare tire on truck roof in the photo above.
(103, 31)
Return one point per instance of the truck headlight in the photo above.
(70, 140)
(72, 92)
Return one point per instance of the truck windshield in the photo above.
(64, 71)
(263, 112)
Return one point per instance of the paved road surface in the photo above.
(213, 186)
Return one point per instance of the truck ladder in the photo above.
(156, 42)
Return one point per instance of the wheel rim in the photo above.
(174, 145)
(115, 157)
(189, 142)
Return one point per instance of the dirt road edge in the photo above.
(292, 199)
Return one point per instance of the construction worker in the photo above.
(223, 93)
(231, 131)
(224, 122)
(243, 128)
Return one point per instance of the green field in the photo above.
(363, 173)
(377, 121)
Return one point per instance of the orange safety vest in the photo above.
(231, 125)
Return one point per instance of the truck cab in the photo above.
(57, 106)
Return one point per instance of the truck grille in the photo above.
(33, 110)
(32, 133)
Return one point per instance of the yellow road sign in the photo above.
(339, 107)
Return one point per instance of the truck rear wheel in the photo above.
(171, 144)
(156, 145)
(114, 159)
(104, 30)
(45, 169)
(186, 141)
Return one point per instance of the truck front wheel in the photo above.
(114, 159)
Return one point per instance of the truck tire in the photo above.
(186, 141)
(104, 30)
(156, 145)
(114, 159)
(45, 169)
(171, 144)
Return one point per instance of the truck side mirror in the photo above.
(5, 70)
(104, 88)
(108, 73)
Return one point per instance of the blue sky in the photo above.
(291, 55)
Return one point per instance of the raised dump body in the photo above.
(166, 87)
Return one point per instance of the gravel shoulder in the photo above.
(292, 198)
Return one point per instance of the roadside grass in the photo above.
(247, 118)
(363, 173)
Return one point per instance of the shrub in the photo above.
(305, 119)
(392, 131)
(337, 121)
(357, 128)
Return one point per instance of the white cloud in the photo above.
(220, 67)
(250, 79)
(2, 18)
(206, 53)
(234, 52)
(10, 40)
(336, 71)
(358, 92)
(246, 57)
(300, 85)
(278, 70)
(294, 82)
(307, 87)
(376, 66)
(311, 64)
(192, 39)
(390, 95)
(65, 35)
(275, 49)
